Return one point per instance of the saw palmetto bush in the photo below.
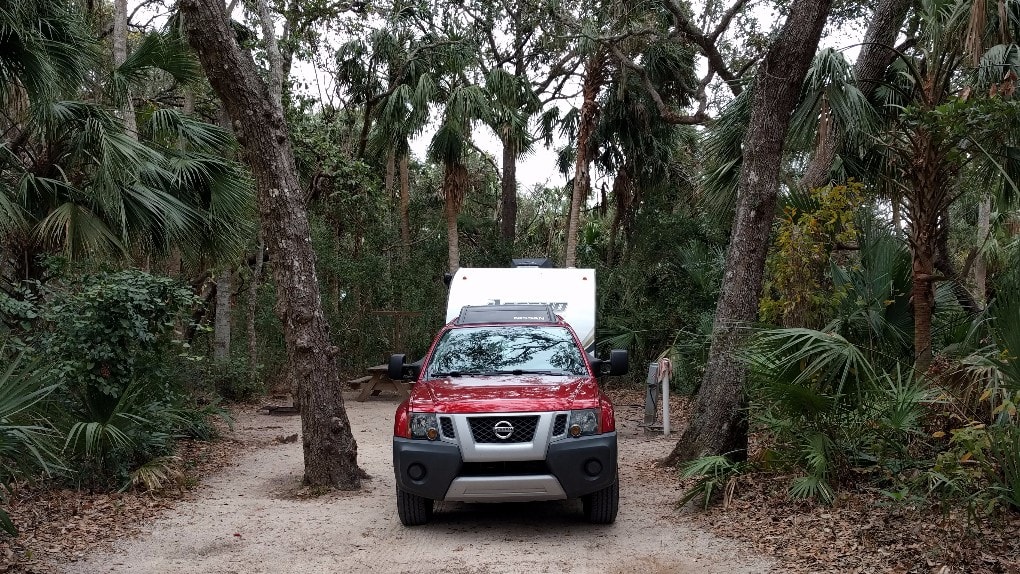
(828, 412)
(27, 442)
(981, 462)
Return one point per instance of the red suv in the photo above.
(506, 407)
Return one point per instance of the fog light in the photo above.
(416, 471)
(575, 430)
(432, 433)
(593, 467)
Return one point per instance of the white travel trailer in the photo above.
(570, 292)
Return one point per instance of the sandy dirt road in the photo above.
(246, 519)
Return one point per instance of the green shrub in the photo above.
(114, 342)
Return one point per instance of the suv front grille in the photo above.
(484, 429)
(560, 426)
(447, 425)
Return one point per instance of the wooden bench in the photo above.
(355, 384)
(378, 381)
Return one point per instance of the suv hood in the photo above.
(507, 393)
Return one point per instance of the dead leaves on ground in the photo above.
(60, 524)
(861, 532)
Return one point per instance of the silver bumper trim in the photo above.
(505, 489)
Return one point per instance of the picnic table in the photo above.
(377, 381)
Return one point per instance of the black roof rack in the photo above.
(506, 314)
(542, 262)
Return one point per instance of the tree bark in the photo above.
(119, 57)
(719, 421)
(922, 296)
(454, 185)
(390, 176)
(330, 451)
(983, 228)
(272, 52)
(875, 57)
(405, 205)
(221, 323)
(253, 307)
(594, 72)
(508, 219)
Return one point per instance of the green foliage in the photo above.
(115, 403)
(73, 181)
(233, 380)
(812, 228)
(129, 318)
(830, 412)
(712, 475)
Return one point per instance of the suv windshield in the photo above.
(517, 349)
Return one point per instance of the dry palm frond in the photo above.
(158, 474)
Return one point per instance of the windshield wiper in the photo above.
(460, 373)
(552, 372)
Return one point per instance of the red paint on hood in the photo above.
(504, 394)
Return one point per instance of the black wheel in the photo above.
(601, 506)
(412, 509)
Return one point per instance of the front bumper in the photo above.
(572, 468)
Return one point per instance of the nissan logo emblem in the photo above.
(503, 430)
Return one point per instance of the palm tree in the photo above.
(449, 147)
(74, 181)
(645, 152)
(595, 76)
(944, 126)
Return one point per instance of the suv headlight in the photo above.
(424, 425)
(583, 423)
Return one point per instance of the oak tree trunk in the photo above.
(330, 451)
(272, 51)
(719, 423)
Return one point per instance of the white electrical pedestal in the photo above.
(657, 397)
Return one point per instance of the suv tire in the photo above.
(601, 506)
(412, 509)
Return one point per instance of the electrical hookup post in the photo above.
(657, 397)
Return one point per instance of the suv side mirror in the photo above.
(618, 362)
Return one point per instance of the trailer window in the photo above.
(496, 350)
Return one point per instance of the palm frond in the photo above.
(157, 474)
(812, 487)
(713, 473)
(78, 232)
(157, 51)
(46, 47)
(809, 357)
